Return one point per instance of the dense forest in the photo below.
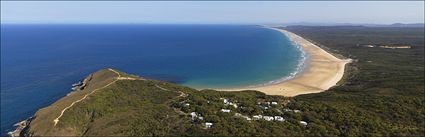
(382, 94)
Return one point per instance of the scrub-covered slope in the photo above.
(116, 104)
(111, 103)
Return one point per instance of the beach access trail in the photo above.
(323, 71)
(119, 77)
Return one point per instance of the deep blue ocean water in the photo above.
(40, 62)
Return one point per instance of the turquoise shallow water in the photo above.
(40, 62)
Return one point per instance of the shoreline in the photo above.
(319, 71)
(301, 66)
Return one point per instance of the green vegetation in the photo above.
(381, 95)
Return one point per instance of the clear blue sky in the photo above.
(212, 12)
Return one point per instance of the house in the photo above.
(247, 118)
(225, 100)
(368, 46)
(303, 123)
(279, 118)
(240, 115)
(208, 125)
(274, 103)
(233, 104)
(257, 117)
(225, 110)
(187, 104)
(193, 115)
(290, 110)
(268, 118)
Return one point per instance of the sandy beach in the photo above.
(323, 70)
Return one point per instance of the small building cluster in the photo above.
(267, 103)
(196, 116)
(227, 102)
(269, 118)
(290, 110)
(387, 46)
(207, 125)
(396, 46)
(266, 106)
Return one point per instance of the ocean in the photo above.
(40, 62)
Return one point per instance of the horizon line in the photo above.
(210, 23)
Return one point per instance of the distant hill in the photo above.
(413, 25)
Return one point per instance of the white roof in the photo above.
(268, 118)
(279, 118)
(225, 110)
(257, 117)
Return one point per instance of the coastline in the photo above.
(320, 71)
(317, 72)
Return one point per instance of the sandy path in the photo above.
(119, 77)
(324, 71)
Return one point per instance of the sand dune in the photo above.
(322, 72)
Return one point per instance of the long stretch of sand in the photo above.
(322, 71)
